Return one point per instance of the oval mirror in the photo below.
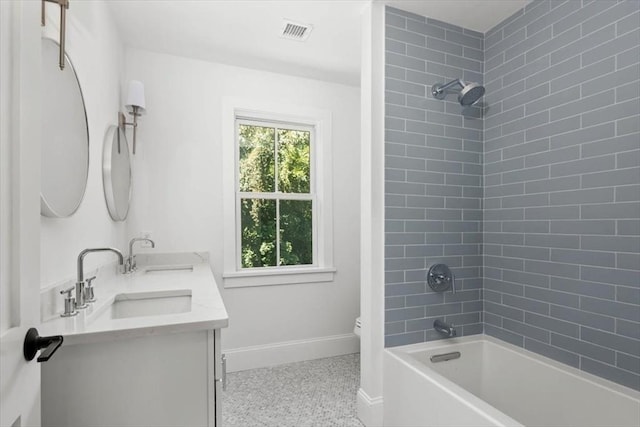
(116, 173)
(65, 137)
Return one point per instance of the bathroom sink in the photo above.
(169, 269)
(155, 303)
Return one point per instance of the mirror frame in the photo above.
(107, 183)
(45, 208)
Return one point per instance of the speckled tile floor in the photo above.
(318, 393)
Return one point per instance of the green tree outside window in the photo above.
(275, 201)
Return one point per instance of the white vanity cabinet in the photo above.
(156, 380)
(140, 366)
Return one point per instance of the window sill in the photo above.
(246, 279)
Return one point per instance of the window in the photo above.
(275, 197)
(277, 193)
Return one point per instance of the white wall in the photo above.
(96, 51)
(178, 188)
(370, 403)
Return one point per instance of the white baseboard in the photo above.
(369, 409)
(261, 356)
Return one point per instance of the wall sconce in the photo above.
(135, 106)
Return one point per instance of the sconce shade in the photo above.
(135, 97)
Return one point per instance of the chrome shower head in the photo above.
(468, 95)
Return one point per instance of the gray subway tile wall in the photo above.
(578, 271)
(535, 203)
(433, 178)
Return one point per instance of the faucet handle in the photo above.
(69, 302)
(68, 291)
(90, 296)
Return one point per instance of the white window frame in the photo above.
(267, 114)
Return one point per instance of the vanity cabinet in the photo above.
(170, 379)
(145, 353)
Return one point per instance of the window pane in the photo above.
(294, 172)
(257, 158)
(296, 241)
(258, 222)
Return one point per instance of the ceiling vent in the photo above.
(295, 30)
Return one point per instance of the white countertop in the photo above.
(91, 324)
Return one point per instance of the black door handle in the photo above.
(34, 342)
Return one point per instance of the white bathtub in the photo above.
(494, 383)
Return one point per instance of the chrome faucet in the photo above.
(444, 328)
(130, 265)
(81, 291)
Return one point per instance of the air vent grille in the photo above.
(295, 30)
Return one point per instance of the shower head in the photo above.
(468, 95)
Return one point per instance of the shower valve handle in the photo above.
(440, 278)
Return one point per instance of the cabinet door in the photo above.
(220, 376)
(217, 374)
(156, 380)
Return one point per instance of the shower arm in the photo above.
(441, 89)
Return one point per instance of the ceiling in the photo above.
(477, 15)
(247, 32)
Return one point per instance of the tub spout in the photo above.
(444, 328)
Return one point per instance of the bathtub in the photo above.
(494, 383)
